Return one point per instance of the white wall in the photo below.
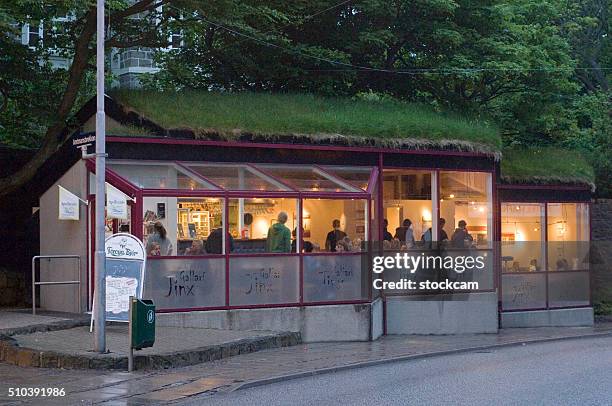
(60, 237)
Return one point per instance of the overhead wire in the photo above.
(413, 71)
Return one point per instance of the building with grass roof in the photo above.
(277, 208)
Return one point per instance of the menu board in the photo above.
(125, 271)
(124, 278)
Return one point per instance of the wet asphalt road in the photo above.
(576, 372)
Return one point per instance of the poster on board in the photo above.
(125, 273)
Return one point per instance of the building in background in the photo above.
(126, 65)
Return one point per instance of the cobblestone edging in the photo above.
(12, 353)
(38, 328)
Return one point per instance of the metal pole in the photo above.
(130, 326)
(34, 286)
(100, 285)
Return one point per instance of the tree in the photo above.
(23, 67)
(539, 68)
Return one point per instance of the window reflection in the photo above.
(568, 236)
(262, 225)
(191, 226)
(522, 236)
(334, 225)
(407, 208)
(466, 205)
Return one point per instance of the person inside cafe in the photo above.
(442, 236)
(409, 239)
(334, 236)
(214, 242)
(387, 236)
(158, 243)
(307, 247)
(461, 238)
(279, 236)
(197, 248)
(400, 232)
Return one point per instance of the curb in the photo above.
(364, 364)
(12, 353)
(41, 328)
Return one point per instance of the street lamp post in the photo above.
(100, 257)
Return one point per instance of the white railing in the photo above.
(49, 258)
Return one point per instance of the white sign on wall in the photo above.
(68, 205)
(116, 203)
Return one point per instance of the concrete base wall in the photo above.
(362, 322)
(443, 314)
(549, 318)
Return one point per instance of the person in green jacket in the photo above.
(279, 236)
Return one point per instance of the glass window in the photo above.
(33, 35)
(332, 225)
(522, 236)
(159, 225)
(237, 177)
(356, 176)
(176, 40)
(523, 291)
(466, 206)
(264, 280)
(407, 207)
(159, 176)
(262, 225)
(182, 226)
(568, 236)
(307, 178)
(171, 288)
(335, 277)
(199, 226)
(569, 289)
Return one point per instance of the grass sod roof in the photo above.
(309, 119)
(260, 117)
(540, 165)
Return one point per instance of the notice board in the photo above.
(125, 273)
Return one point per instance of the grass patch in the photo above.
(545, 165)
(268, 114)
(127, 130)
(603, 308)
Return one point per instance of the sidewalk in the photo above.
(22, 321)
(174, 347)
(60, 340)
(119, 388)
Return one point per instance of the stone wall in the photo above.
(601, 255)
(13, 289)
(602, 220)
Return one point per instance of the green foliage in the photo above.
(539, 69)
(31, 86)
(519, 64)
(306, 114)
(592, 134)
(603, 308)
(545, 164)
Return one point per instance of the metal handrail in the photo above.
(34, 283)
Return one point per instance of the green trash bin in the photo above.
(143, 323)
